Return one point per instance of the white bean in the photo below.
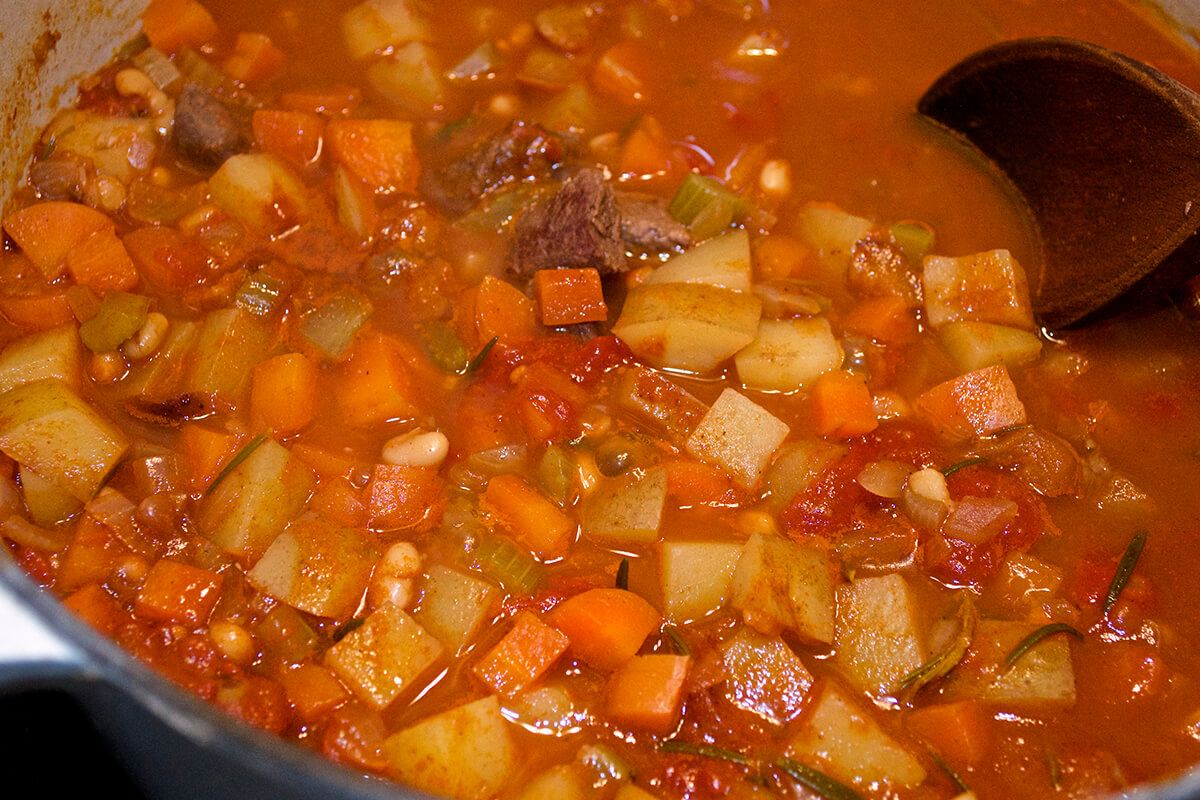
(147, 339)
(234, 641)
(394, 574)
(418, 448)
(775, 178)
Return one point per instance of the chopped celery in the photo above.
(261, 293)
(556, 475)
(914, 238)
(120, 316)
(507, 564)
(286, 633)
(441, 343)
(605, 762)
(331, 327)
(705, 205)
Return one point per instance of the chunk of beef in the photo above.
(521, 151)
(207, 131)
(647, 227)
(578, 226)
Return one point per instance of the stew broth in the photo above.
(338, 425)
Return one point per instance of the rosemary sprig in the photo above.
(816, 781)
(706, 750)
(1124, 570)
(477, 361)
(236, 461)
(1032, 640)
(966, 462)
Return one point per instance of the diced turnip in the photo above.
(407, 77)
(560, 782)
(847, 740)
(975, 520)
(658, 400)
(260, 190)
(384, 656)
(982, 287)
(784, 585)
(51, 430)
(786, 355)
(739, 436)
(696, 576)
(627, 511)
(764, 676)
(879, 636)
(975, 345)
(722, 261)
(454, 604)
(687, 326)
(833, 233)
(54, 353)
(465, 753)
(317, 567)
(375, 26)
(255, 502)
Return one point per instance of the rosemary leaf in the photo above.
(236, 461)
(1031, 641)
(706, 750)
(817, 781)
(477, 361)
(1124, 570)
(967, 462)
(623, 574)
(954, 777)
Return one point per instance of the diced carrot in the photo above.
(522, 656)
(294, 136)
(606, 626)
(205, 452)
(178, 592)
(958, 731)
(312, 690)
(980, 403)
(886, 318)
(697, 483)
(255, 57)
(37, 312)
(496, 309)
(374, 383)
(842, 405)
(646, 150)
(529, 516)
(48, 232)
(621, 72)
(324, 463)
(340, 502)
(402, 498)
(548, 402)
(171, 24)
(336, 101)
(379, 152)
(569, 296)
(646, 692)
(96, 607)
(101, 263)
(91, 557)
(783, 256)
(168, 258)
(283, 393)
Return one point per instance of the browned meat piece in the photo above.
(521, 151)
(647, 227)
(576, 227)
(207, 131)
(1045, 461)
(880, 267)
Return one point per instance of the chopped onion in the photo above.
(885, 478)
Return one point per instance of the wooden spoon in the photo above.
(1105, 152)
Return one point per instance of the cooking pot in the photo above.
(171, 744)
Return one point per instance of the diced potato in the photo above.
(796, 466)
(407, 77)
(466, 752)
(120, 147)
(722, 261)
(847, 740)
(1044, 674)
(560, 782)
(739, 436)
(687, 326)
(788, 354)
(630, 792)
(260, 190)
(376, 25)
(879, 637)
(47, 502)
(317, 567)
(780, 584)
(54, 353)
(763, 676)
(982, 287)
(55, 433)
(384, 656)
(696, 577)
(833, 233)
(228, 346)
(630, 512)
(454, 604)
(253, 504)
(975, 345)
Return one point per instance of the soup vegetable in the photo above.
(622, 399)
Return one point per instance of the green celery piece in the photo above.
(261, 293)
(441, 343)
(705, 205)
(120, 316)
(507, 564)
(914, 239)
(556, 474)
(331, 326)
(228, 346)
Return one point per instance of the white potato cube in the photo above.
(739, 436)
(722, 261)
(788, 354)
(879, 641)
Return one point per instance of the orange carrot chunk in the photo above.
(523, 655)
(295, 136)
(606, 626)
(958, 731)
(102, 263)
(980, 403)
(283, 393)
(171, 24)
(255, 58)
(48, 232)
(842, 406)
(529, 516)
(178, 592)
(570, 296)
(401, 497)
(378, 152)
(647, 692)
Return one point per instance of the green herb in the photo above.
(914, 239)
(349, 626)
(816, 781)
(508, 564)
(967, 462)
(261, 293)
(1032, 640)
(236, 461)
(48, 150)
(923, 671)
(705, 205)
(1124, 570)
(444, 348)
(677, 642)
(623, 574)
(954, 777)
(119, 317)
(706, 750)
(477, 361)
